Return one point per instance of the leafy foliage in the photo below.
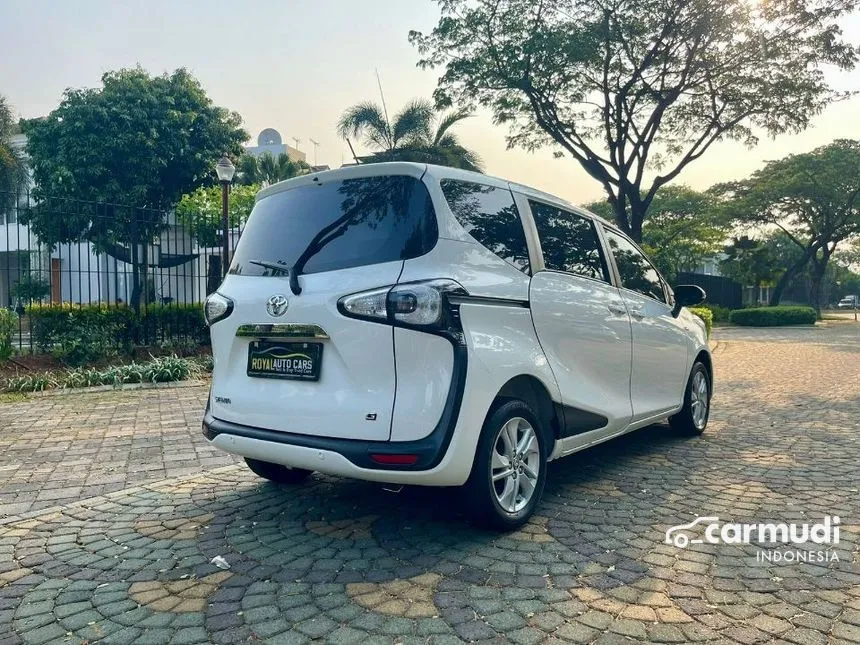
(637, 89)
(684, 227)
(13, 170)
(78, 335)
(139, 139)
(706, 315)
(268, 169)
(158, 370)
(200, 211)
(8, 326)
(417, 133)
(812, 198)
(774, 316)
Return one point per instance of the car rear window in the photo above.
(338, 225)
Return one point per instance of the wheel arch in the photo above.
(532, 391)
(704, 357)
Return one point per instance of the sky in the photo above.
(295, 66)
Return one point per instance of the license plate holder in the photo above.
(284, 360)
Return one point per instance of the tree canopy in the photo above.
(200, 211)
(140, 140)
(684, 228)
(267, 168)
(812, 198)
(417, 133)
(12, 166)
(110, 162)
(635, 90)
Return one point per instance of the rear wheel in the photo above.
(509, 472)
(693, 417)
(276, 472)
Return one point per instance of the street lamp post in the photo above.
(225, 170)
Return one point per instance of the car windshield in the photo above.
(337, 225)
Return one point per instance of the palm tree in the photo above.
(268, 169)
(417, 133)
(13, 172)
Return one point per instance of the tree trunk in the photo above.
(818, 271)
(789, 275)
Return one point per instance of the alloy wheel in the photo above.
(515, 464)
(699, 399)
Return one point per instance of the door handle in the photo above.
(617, 308)
(636, 312)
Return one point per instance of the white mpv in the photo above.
(416, 324)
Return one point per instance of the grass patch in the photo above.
(163, 369)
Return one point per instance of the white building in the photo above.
(269, 140)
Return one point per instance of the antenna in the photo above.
(298, 141)
(316, 147)
(384, 108)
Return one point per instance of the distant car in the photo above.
(848, 302)
(442, 328)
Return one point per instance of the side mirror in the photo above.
(687, 295)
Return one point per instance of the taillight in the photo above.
(414, 304)
(217, 308)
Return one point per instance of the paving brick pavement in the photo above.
(344, 562)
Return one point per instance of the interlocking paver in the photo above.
(138, 509)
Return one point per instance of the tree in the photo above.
(138, 140)
(683, 229)
(813, 198)
(417, 133)
(13, 171)
(200, 211)
(636, 90)
(268, 169)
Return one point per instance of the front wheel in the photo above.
(693, 417)
(276, 472)
(508, 475)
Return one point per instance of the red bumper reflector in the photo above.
(394, 460)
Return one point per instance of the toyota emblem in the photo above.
(277, 305)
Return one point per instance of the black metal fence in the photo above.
(79, 262)
(721, 291)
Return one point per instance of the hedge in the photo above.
(774, 316)
(706, 315)
(79, 334)
(8, 326)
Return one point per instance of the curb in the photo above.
(115, 388)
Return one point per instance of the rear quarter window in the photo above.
(490, 215)
(338, 225)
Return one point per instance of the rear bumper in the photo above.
(341, 457)
(348, 457)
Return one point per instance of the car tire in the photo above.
(693, 417)
(276, 472)
(506, 485)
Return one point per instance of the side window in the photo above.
(636, 272)
(569, 242)
(489, 215)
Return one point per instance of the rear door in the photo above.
(660, 344)
(359, 231)
(581, 322)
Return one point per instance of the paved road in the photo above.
(342, 561)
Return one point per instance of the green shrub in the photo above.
(774, 316)
(705, 314)
(80, 334)
(158, 370)
(720, 314)
(8, 327)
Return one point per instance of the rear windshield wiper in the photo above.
(282, 268)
